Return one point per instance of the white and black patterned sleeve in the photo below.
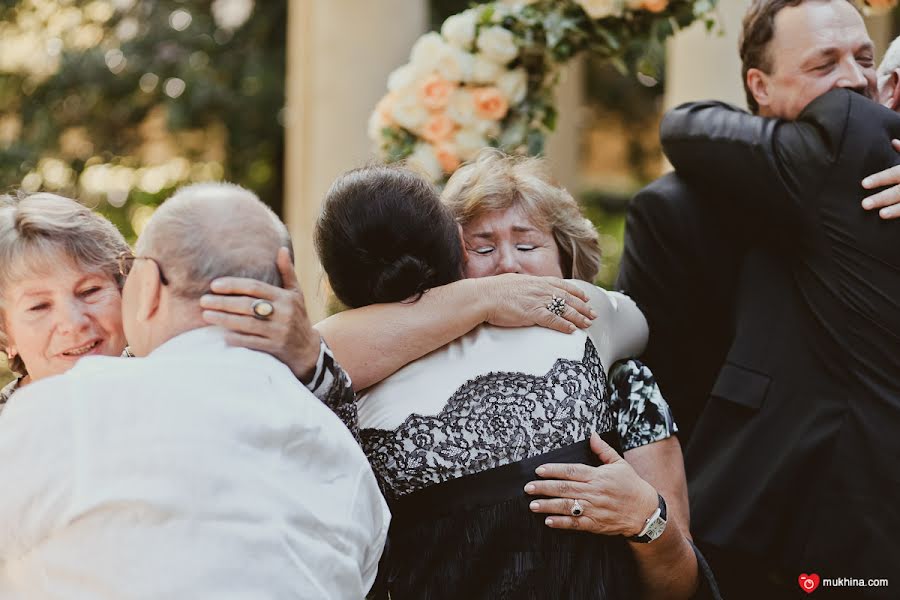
(644, 415)
(7, 391)
(332, 385)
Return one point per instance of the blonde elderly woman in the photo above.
(60, 293)
(516, 221)
(61, 271)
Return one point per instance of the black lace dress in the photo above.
(454, 474)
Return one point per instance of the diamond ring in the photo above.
(557, 306)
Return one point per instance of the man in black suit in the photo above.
(783, 472)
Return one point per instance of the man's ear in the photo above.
(893, 100)
(149, 292)
(758, 84)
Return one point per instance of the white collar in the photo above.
(203, 339)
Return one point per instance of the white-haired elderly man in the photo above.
(196, 470)
(818, 464)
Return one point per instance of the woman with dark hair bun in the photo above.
(397, 244)
(455, 436)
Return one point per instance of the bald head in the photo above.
(213, 230)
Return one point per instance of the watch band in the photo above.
(654, 526)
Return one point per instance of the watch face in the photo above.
(656, 528)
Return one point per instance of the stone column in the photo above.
(703, 65)
(563, 149)
(340, 53)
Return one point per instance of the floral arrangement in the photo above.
(487, 78)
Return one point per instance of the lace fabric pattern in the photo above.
(492, 420)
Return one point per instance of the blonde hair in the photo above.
(35, 228)
(496, 181)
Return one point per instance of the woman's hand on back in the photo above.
(287, 334)
(515, 300)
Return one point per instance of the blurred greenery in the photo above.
(117, 102)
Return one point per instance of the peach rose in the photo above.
(386, 105)
(656, 6)
(489, 103)
(435, 92)
(447, 157)
(438, 128)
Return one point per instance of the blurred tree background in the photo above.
(119, 102)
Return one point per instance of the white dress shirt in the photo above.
(200, 471)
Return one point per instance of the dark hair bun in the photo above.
(384, 236)
(399, 277)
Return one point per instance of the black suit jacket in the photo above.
(726, 348)
(835, 431)
(680, 267)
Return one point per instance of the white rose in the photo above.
(424, 160)
(468, 143)
(485, 70)
(514, 85)
(487, 127)
(459, 29)
(427, 51)
(498, 44)
(455, 64)
(402, 77)
(409, 113)
(461, 108)
(599, 9)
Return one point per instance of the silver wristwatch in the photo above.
(654, 526)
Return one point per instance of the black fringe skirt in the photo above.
(475, 537)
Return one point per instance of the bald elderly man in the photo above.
(196, 470)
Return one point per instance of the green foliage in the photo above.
(217, 87)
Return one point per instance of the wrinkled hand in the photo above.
(287, 335)
(521, 300)
(615, 500)
(887, 200)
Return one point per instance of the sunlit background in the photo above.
(119, 102)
